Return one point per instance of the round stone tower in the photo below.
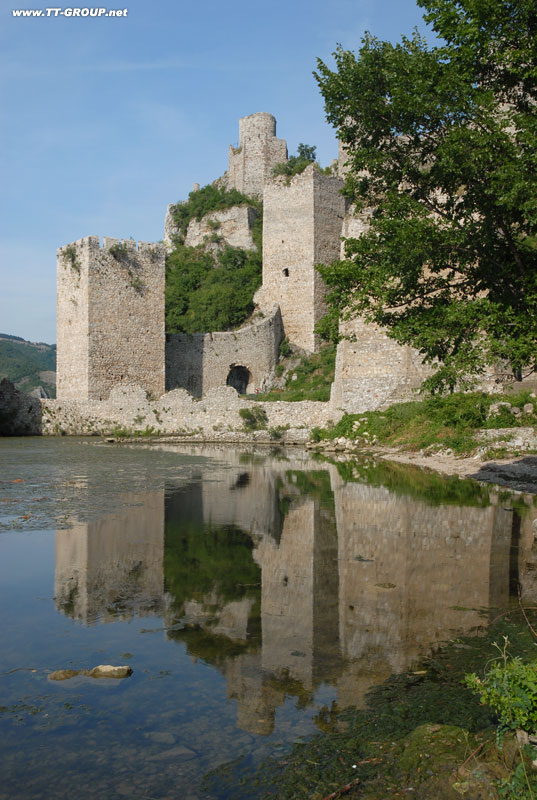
(259, 126)
(251, 163)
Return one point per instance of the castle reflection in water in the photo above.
(285, 575)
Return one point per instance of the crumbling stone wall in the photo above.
(373, 371)
(110, 317)
(302, 221)
(215, 415)
(251, 163)
(202, 361)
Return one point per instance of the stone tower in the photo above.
(251, 163)
(302, 223)
(110, 318)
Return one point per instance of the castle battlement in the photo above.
(94, 243)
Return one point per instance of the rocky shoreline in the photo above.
(177, 418)
(518, 473)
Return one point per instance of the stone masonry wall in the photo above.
(251, 163)
(354, 225)
(373, 371)
(202, 361)
(302, 220)
(72, 318)
(110, 318)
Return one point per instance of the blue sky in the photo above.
(105, 121)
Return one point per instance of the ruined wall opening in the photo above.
(239, 377)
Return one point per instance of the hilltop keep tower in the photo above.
(302, 222)
(110, 318)
(251, 163)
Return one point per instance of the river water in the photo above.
(250, 592)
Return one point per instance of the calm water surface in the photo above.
(248, 592)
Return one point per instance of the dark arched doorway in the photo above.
(239, 378)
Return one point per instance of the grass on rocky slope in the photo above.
(310, 379)
(450, 421)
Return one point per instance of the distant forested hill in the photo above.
(28, 364)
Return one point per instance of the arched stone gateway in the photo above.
(239, 377)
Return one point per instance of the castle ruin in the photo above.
(258, 151)
(110, 317)
(111, 298)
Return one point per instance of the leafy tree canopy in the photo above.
(208, 291)
(296, 164)
(442, 155)
(203, 294)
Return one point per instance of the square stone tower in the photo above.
(302, 225)
(110, 318)
(251, 163)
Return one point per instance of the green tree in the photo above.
(205, 294)
(306, 152)
(296, 164)
(207, 291)
(441, 144)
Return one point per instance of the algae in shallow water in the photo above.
(417, 730)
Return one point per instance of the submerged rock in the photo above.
(64, 674)
(178, 753)
(108, 671)
(101, 671)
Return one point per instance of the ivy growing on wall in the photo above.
(70, 257)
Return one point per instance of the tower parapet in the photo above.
(110, 317)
